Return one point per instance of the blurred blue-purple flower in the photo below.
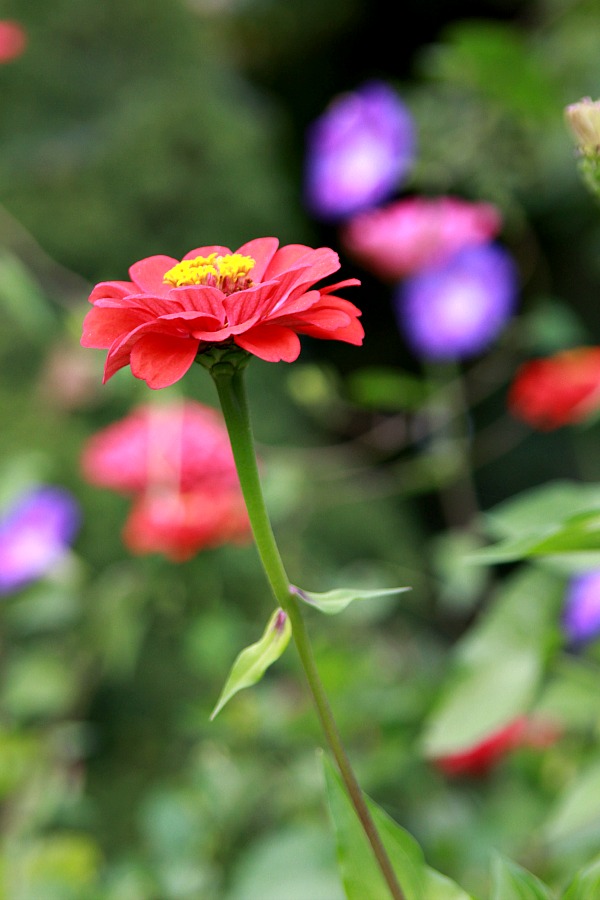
(581, 611)
(35, 534)
(358, 152)
(457, 309)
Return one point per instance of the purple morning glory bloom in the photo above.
(581, 613)
(458, 308)
(35, 533)
(358, 151)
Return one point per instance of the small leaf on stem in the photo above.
(333, 602)
(252, 663)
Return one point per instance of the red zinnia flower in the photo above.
(178, 524)
(560, 390)
(259, 298)
(176, 461)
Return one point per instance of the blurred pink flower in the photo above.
(13, 40)
(175, 460)
(415, 233)
(176, 445)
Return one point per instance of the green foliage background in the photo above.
(131, 128)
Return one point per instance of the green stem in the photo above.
(231, 388)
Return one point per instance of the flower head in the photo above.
(35, 534)
(459, 308)
(259, 299)
(13, 40)
(583, 119)
(358, 151)
(180, 523)
(581, 612)
(175, 461)
(558, 390)
(416, 233)
(172, 445)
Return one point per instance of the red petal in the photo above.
(271, 343)
(101, 327)
(262, 251)
(149, 273)
(160, 360)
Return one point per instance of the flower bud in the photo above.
(583, 118)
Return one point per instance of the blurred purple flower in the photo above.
(35, 533)
(581, 612)
(457, 309)
(358, 151)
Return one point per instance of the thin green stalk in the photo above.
(231, 388)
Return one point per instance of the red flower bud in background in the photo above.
(481, 758)
(559, 390)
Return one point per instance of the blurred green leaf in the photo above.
(561, 518)
(361, 875)
(335, 601)
(22, 297)
(388, 389)
(253, 661)
(497, 666)
(586, 884)
(512, 882)
(495, 59)
(577, 809)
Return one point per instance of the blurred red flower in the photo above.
(415, 233)
(259, 298)
(558, 390)
(175, 460)
(479, 759)
(180, 523)
(13, 40)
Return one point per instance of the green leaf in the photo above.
(497, 667)
(333, 602)
(361, 875)
(558, 519)
(512, 882)
(253, 661)
(586, 883)
(387, 388)
(578, 809)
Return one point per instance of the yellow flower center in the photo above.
(229, 273)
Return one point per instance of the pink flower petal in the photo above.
(160, 360)
(271, 343)
(148, 274)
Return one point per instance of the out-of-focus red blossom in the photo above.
(260, 298)
(558, 390)
(13, 40)
(415, 233)
(482, 757)
(176, 445)
(178, 524)
(176, 462)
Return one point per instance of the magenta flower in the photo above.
(581, 612)
(416, 233)
(458, 309)
(35, 534)
(358, 152)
